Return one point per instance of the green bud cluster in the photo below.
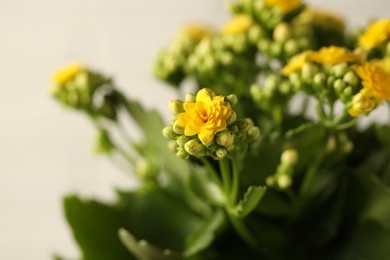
(217, 60)
(89, 91)
(330, 82)
(282, 179)
(275, 92)
(170, 64)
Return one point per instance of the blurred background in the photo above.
(45, 150)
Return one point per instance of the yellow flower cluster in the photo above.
(68, 72)
(239, 24)
(204, 117)
(326, 55)
(377, 33)
(375, 77)
(284, 5)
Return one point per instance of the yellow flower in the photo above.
(196, 32)
(284, 5)
(375, 34)
(362, 102)
(375, 76)
(204, 117)
(333, 55)
(68, 72)
(239, 24)
(296, 63)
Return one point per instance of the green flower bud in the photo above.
(181, 153)
(340, 70)
(263, 45)
(276, 49)
(181, 140)
(194, 148)
(289, 157)
(281, 32)
(285, 87)
(219, 154)
(190, 97)
(225, 138)
(348, 91)
(284, 181)
(319, 79)
(350, 78)
(295, 80)
(291, 47)
(270, 181)
(339, 85)
(330, 81)
(177, 129)
(271, 83)
(308, 71)
(255, 33)
(254, 133)
(232, 118)
(255, 92)
(169, 133)
(176, 107)
(226, 58)
(232, 99)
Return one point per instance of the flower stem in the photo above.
(226, 178)
(211, 170)
(235, 183)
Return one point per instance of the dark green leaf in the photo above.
(251, 198)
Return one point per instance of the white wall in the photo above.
(44, 150)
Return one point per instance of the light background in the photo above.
(45, 150)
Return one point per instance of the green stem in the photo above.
(235, 183)
(211, 170)
(243, 231)
(225, 172)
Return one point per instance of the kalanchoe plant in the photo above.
(312, 184)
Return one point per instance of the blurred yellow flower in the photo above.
(196, 32)
(333, 55)
(204, 117)
(375, 76)
(284, 5)
(296, 63)
(375, 34)
(239, 24)
(68, 72)
(362, 102)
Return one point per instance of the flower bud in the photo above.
(145, 169)
(254, 133)
(291, 47)
(350, 78)
(194, 148)
(169, 133)
(220, 154)
(225, 138)
(284, 181)
(348, 91)
(270, 181)
(281, 32)
(181, 153)
(181, 140)
(289, 157)
(190, 97)
(319, 79)
(177, 129)
(176, 107)
(339, 85)
(308, 71)
(255, 33)
(232, 118)
(232, 99)
(340, 70)
(172, 145)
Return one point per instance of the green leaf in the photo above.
(143, 250)
(251, 198)
(201, 239)
(95, 227)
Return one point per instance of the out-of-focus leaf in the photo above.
(251, 198)
(95, 227)
(143, 250)
(201, 239)
(205, 188)
(148, 213)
